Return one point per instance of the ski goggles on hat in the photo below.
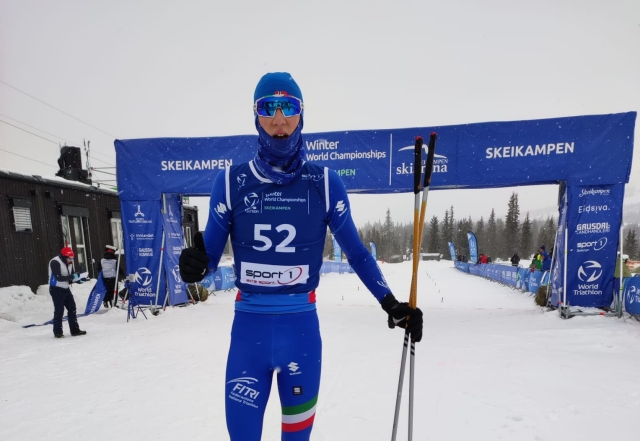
(268, 105)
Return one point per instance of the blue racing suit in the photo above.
(278, 234)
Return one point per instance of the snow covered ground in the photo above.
(491, 366)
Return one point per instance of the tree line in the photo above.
(498, 238)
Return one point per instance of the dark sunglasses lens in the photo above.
(268, 106)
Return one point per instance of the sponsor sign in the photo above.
(273, 275)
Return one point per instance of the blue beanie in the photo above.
(274, 82)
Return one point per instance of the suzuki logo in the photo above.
(293, 366)
(590, 271)
(341, 207)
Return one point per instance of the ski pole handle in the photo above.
(430, 155)
(417, 164)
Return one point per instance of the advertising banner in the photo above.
(493, 154)
(173, 244)
(557, 270)
(473, 247)
(452, 251)
(142, 226)
(374, 251)
(594, 215)
(337, 251)
(96, 297)
(632, 295)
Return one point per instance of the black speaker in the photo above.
(70, 157)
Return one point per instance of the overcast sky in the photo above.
(141, 69)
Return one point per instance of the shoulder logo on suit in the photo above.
(341, 207)
(220, 209)
(241, 179)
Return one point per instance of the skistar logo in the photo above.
(590, 271)
(440, 162)
(251, 202)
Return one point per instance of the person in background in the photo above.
(109, 265)
(61, 275)
(515, 260)
(544, 259)
(278, 255)
(536, 262)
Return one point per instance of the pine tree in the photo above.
(512, 226)
(547, 234)
(491, 237)
(526, 239)
(630, 246)
(387, 247)
(434, 235)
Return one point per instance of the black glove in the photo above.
(398, 312)
(194, 261)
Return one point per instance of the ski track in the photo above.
(491, 366)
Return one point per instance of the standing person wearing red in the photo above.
(61, 275)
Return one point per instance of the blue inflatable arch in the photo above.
(592, 154)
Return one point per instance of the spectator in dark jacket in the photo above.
(61, 275)
(515, 260)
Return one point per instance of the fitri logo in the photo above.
(590, 271)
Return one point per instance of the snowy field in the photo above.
(491, 366)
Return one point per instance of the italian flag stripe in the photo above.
(295, 427)
(301, 408)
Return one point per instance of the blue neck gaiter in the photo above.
(280, 160)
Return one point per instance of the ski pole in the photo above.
(417, 174)
(413, 299)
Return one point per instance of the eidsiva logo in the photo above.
(590, 271)
(143, 277)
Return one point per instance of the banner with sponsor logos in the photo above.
(473, 247)
(576, 149)
(632, 295)
(594, 215)
(452, 251)
(374, 251)
(173, 243)
(142, 226)
(337, 251)
(94, 302)
(557, 270)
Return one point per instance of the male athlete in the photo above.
(277, 208)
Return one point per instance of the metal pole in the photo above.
(115, 288)
(161, 256)
(620, 294)
(564, 281)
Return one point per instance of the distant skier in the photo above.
(277, 209)
(108, 265)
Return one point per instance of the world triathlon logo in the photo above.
(241, 179)
(590, 271)
(143, 277)
(251, 201)
(631, 295)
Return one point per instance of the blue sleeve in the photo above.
(219, 223)
(345, 232)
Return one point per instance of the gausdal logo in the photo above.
(143, 277)
(590, 271)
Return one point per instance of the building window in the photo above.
(116, 232)
(21, 214)
(22, 218)
(187, 237)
